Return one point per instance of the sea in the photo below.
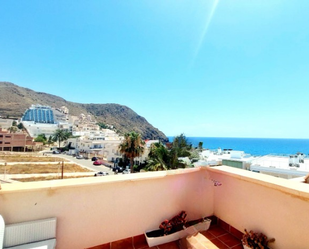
(253, 146)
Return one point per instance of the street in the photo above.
(87, 163)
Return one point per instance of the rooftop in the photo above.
(110, 210)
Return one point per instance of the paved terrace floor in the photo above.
(222, 235)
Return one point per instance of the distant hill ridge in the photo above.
(14, 100)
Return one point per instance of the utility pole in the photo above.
(62, 170)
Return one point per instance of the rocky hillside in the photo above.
(14, 100)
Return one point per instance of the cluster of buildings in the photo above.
(102, 143)
(88, 137)
(39, 119)
(288, 167)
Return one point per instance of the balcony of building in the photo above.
(115, 211)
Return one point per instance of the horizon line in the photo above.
(242, 137)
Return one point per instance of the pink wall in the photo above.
(277, 207)
(94, 211)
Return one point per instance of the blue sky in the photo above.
(232, 68)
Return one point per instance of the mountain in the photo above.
(14, 100)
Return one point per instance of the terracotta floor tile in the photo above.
(238, 234)
(217, 231)
(170, 245)
(122, 244)
(103, 246)
(217, 235)
(140, 242)
(229, 240)
(219, 244)
(238, 247)
(208, 235)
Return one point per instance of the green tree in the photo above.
(132, 146)
(20, 126)
(102, 125)
(41, 138)
(200, 146)
(159, 158)
(14, 123)
(60, 135)
(180, 148)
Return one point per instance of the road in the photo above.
(87, 163)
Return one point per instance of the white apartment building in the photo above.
(104, 143)
(281, 166)
(40, 119)
(35, 129)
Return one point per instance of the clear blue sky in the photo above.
(232, 68)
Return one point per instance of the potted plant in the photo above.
(255, 240)
(175, 228)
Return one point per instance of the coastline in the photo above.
(253, 146)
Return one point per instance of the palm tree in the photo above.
(158, 158)
(132, 146)
(60, 135)
(13, 129)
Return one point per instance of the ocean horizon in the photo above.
(253, 146)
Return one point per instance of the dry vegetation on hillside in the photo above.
(14, 100)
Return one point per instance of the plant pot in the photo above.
(157, 237)
(202, 225)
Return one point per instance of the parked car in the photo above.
(94, 158)
(126, 171)
(101, 173)
(106, 164)
(55, 152)
(117, 169)
(97, 162)
(79, 157)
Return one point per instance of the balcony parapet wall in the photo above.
(277, 207)
(96, 210)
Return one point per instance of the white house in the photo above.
(102, 143)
